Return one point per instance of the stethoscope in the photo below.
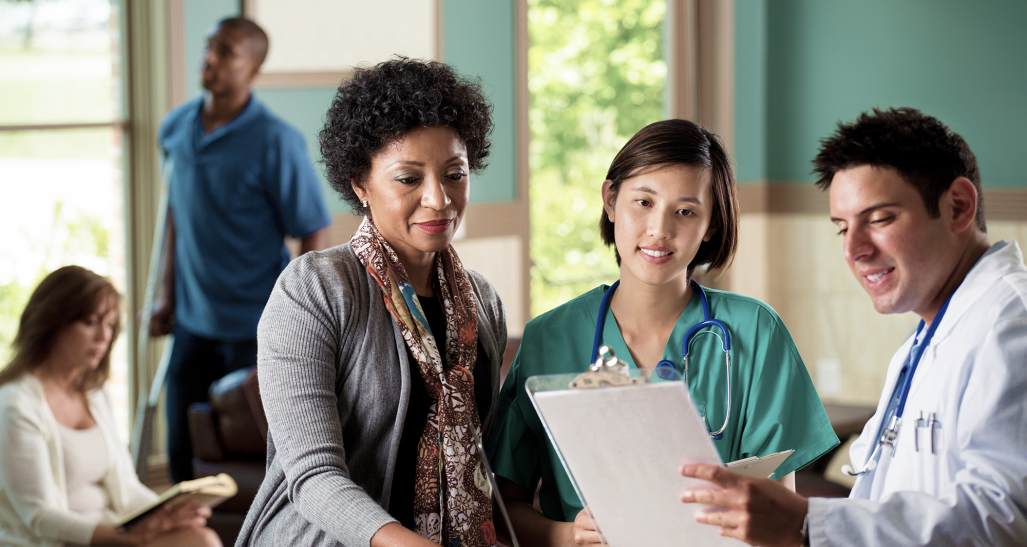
(665, 369)
(890, 434)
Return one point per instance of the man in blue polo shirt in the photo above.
(240, 181)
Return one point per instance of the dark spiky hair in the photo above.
(926, 153)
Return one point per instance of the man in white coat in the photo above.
(906, 196)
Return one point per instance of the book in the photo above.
(209, 491)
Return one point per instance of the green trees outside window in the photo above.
(596, 74)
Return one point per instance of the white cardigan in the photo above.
(33, 494)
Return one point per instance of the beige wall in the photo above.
(324, 36)
(793, 261)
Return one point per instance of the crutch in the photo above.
(146, 407)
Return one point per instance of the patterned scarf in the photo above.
(461, 513)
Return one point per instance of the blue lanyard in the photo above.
(915, 353)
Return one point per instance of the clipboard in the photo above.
(622, 439)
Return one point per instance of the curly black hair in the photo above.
(927, 154)
(380, 104)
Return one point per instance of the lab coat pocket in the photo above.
(930, 448)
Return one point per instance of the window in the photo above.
(596, 74)
(62, 120)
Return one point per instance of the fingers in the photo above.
(717, 475)
(584, 531)
(583, 522)
(716, 498)
(710, 473)
(584, 536)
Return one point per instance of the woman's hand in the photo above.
(166, 520)
(581, 531)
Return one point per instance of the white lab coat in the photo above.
(973, 376)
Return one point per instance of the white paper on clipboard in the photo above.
(759, 468)
(623, 448)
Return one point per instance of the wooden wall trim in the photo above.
(782, 197)
(1005, 203)
(279, 80)
(716, 68)
(779, 197)
(682, 54)
(522, 203)
(440, 31)
(148, 93)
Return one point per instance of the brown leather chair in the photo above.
(229, 435)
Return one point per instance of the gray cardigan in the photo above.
(335, 382)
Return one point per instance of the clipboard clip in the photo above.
(605, 372)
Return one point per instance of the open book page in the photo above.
(209, 491)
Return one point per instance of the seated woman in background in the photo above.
(64, 474)
(669, 206)
(377, 357)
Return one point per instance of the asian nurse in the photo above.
(669, 207)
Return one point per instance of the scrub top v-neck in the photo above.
(774, 404)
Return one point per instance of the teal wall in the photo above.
(804, 65)
(200, 16)
(479, 42)
(305, 108)
(751, 89)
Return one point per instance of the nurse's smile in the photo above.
(655, 254)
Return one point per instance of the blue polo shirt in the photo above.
(235, 194)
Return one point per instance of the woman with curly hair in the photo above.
(378, 356)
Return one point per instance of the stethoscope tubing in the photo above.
(707, 321)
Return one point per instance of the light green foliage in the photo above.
(596, 74)
(13, 298)
(73, 238)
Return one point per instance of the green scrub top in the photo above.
(774, 406)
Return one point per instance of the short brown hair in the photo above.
(68, 294)
(681, 142)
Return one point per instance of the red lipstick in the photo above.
(435, 226)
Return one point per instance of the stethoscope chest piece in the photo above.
(665, 369)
